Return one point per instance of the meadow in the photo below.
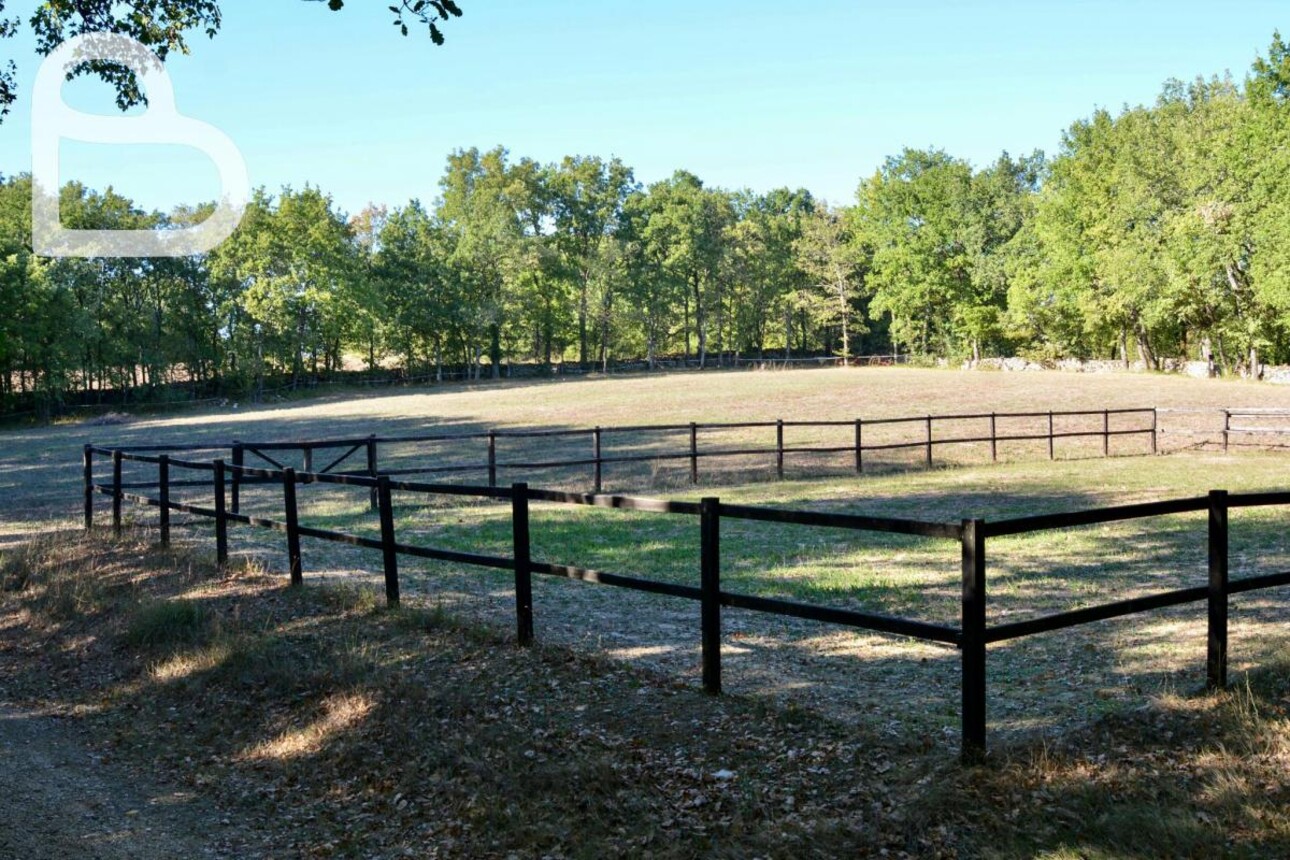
(1058, 704)
(1037, 685)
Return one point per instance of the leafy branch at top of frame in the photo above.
(428, 13)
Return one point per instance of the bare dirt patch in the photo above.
(66, 798)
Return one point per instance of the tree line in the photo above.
(1158, 231)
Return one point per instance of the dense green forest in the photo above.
(1155, 232)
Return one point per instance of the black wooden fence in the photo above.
(971, 636)
(493, 462)
(1254, 424)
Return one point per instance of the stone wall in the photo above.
(1197, 369)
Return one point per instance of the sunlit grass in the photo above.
(339, 713)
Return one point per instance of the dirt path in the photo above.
(62, 800)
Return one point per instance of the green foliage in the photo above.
(1161, 232)
(163, 26)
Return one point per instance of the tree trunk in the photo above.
(846, 342)
(788, 332)
(605, 312)
(495, 349)
(721, 328)
(686, 325)
(1145, 352)
(582, 322)
(700, 325)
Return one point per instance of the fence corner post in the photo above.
(221, 521)
(859, 446)
(294, 562)
(492, 458)
(388, 548)
(523, 562)
(372, 471)
(973, 642)
(929, 441)
(163, 497)
(239, 460)
(1216, 658)
(694, 453)
(779, 448)
(116, 492)
(710, 588)
(87, 467)
(598, 476)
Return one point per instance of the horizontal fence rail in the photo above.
(362, 455)
(971, 636)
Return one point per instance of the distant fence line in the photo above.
(971, 636)
(491, 464)
(161, 396)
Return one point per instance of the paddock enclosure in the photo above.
(910, 687)
(815, 526)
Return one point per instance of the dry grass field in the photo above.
(38, 474)
(1080, 690)
(1036, 683)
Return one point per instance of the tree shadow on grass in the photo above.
(327, 721)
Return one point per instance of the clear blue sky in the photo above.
(741, 92)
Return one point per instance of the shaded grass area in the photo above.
(335, 728)
(1042, 684)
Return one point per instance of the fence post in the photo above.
(1106, 432)
(779, 448)
(163, 496)
(116, 493)
(710, 586)
(1227, 425)
(929, 441)
(973, 641)
(87, 466)
(1052, 454)
(391, 556)
(859, 446)
(523, 562)
(1216, 662)
(372, 471)
(1155, 430)
(994, 439)
(492, 458)
(595, 447)
(307, 458)
(694, 453)
(221, 522)
(239, 460)
(293, 526)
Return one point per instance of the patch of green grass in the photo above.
(890, 573)
(167, 623)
